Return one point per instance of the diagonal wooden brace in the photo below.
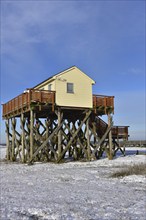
(45, 142)
(73, 137)
(101, 140)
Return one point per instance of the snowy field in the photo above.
(72, 191)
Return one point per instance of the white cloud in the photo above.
(34, 22)
(93, 26)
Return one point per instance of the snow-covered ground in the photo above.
(72, 191)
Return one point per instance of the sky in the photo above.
(105, 39)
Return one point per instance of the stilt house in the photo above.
(60, 119)
(72, 87)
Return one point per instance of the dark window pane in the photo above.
(70, 88)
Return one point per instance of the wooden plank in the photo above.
(7, 140)
(60, 116)
(110, 138)
(13, 121)
(31, 132)
(88, 139)
(22, 121)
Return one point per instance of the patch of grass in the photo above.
(139, 169)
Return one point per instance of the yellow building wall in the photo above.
(82, 96)
(44, 86)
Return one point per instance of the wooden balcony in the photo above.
(23, 102)
(103, 104)
(120, 132)
(32, 97)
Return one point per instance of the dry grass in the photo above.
(139, 169)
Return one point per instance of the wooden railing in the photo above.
(103, 101)
(25, 99)
(120, 131)
(117, 131)
(44, 96)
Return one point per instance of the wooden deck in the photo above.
(120, 132)
(103, 104)
(44, 98)
(24, 101)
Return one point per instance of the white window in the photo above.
(70, 88)
(50, 87)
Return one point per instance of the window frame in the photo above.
(70, 90)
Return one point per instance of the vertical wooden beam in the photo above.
(59, 132)
(110, 138)
(47, 128)
(13, 120)
(95, 131)
(7, 140)
(23, 137)
(31, 132)
(88, 139)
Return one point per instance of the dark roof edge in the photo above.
(53, 76)
(59, 73)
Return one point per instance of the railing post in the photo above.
(113, 104)
(40, 96)
(29, 96)
(105, 104)
(117, 131)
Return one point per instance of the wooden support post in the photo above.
(31, 133)
(47, 128)
(88, 139)
(7, 140)
(59, 132)
(94, 131)
(13, 120)
(23, 137)
(110, 138)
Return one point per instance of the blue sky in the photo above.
(105, 39)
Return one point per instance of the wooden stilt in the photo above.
(88, 139)
(23, 137)
(13, 121)
(7, 140)
(59, 132)
(110, 138)
(31, 133)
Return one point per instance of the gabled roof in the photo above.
(53, 77)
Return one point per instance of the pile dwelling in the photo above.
(60, 119)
